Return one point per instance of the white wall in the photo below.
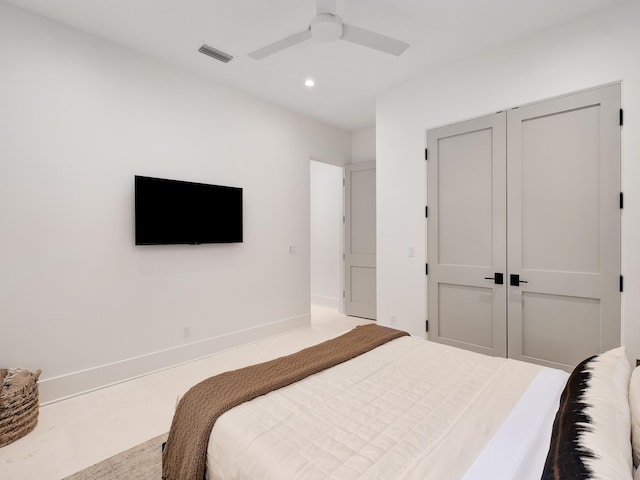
(596, 50)
(326, 234)
(80, 117)
(363, 145)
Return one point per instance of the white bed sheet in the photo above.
(410, 409)
(519, 448)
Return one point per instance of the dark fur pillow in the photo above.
(590, 438)
(566, 455)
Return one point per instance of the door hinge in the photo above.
(426, 154)
(344, 182)
(426, 211)
(343, 219)
(426, 325)
(621, 200)
(621, 284)
(426, 269)
(621, 117)
(343, 257)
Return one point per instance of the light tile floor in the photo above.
(78, 432)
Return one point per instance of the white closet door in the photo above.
(564, 228)
(466, 234)
(360, 240)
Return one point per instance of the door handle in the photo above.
(498, 278)
(514, 280)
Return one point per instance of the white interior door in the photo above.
(564, 227)
(466, 234)
(360, 240)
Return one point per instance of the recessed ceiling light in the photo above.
(309, 82)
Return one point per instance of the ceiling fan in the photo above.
(326, 26)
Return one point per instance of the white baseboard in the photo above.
(325, 301)
(69, 385)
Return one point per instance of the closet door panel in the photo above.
(471, 154)
(563, 163)
(460, 303)
(559, 328)
(466, 234)
(560, 179)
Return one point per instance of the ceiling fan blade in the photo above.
(280, 45)
(374, 40)
(326, 6)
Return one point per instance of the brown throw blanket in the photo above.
(184, 456)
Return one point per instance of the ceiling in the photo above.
(348, 76)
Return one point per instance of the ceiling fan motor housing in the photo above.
(326, 27)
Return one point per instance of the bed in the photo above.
(409, 409)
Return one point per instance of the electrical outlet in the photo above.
(412, 251)
(186, 331)
(292, 249)
(392, 319)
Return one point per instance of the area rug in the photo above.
(142, 462)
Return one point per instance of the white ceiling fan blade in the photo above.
(374, 40)
(280, 45)
(326, 6)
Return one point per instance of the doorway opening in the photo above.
(326, 234)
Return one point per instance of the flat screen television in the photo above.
(170, 212)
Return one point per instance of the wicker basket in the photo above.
(18, 403)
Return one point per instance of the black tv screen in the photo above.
(172, 212)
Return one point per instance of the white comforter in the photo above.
(410, 409)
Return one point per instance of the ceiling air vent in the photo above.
(217, 54)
